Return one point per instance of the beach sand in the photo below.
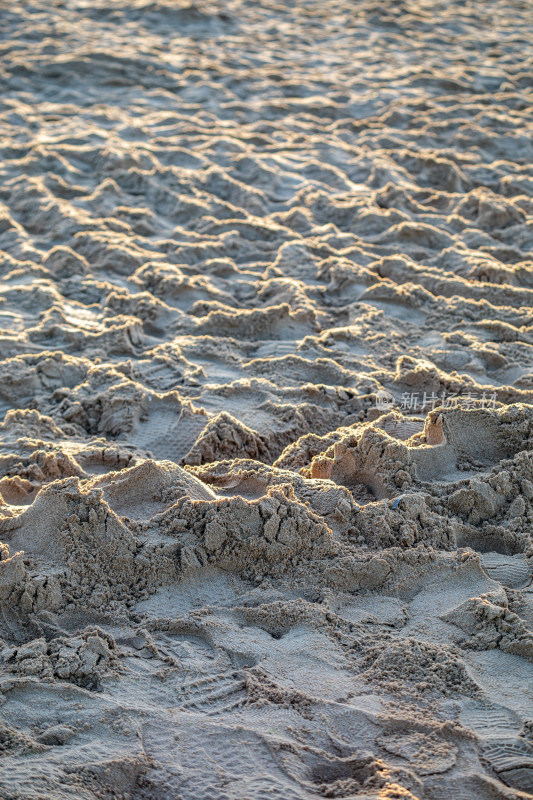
(266, 391)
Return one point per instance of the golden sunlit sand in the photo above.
(266, 400)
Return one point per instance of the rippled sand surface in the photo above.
(266, 383)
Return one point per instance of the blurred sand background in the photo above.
(266, 386)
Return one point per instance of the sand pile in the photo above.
(266, 400)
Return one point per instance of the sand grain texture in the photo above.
(249, 547)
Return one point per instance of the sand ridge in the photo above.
(266, 400)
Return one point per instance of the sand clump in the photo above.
(81, 660)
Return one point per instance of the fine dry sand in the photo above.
(242, 243)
